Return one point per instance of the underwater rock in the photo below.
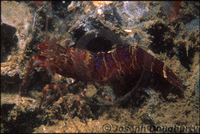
(97, 26)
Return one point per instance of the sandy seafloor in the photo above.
(167, 30)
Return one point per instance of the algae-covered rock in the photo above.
(167, 30)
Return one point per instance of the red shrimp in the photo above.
(119, 66)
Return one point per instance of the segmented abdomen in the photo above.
(117, 66)
(125, 64)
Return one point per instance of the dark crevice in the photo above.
(100, 41)
(78, 33)
(8, 41)
(99, 44)
(186, 60)
(159, 43)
